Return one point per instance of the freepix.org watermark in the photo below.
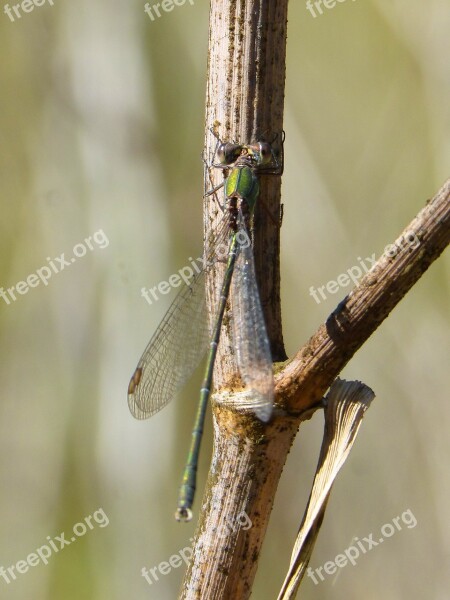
(43, 553)
(184, 556)
(24, 7)
(353, 552)
(55, 265)
(318, 5)
(353, 275)
(154, 10)
(187, 273)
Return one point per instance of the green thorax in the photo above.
(242, 183)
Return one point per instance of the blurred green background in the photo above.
(101, 124)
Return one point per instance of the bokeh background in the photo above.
(101, 124)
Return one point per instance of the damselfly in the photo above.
(182, 337)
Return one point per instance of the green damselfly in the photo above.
(182, 337)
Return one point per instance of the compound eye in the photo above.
(265, 152)
(222, 154)
(228, 153)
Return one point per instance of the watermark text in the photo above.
(54, 265)
(189, 271)
(25, 6)
(43, 553)
(184, 556)
(318, 5)
(352, 275)
(154, 12)
(352, 553)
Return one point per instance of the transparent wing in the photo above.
(179, 342)
(249, 332)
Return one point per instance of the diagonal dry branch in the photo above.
(307, 376)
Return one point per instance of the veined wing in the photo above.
(179, 342)
(251, 342)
